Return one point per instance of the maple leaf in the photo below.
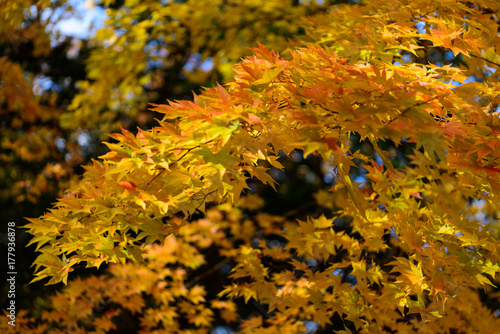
(128, 185)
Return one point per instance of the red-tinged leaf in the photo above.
(253, 119)
(495, 184)
(454, 129)
(416, 194)
(108, 156)
(492, 171)
(320, 52)
(332, 144)
(129, 185)
(253, 73)
(266, 53)
(125, 131)
(223, 94)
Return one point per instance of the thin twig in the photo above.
(486, 60)
(208, 272)
(154, 178)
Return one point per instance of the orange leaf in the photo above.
(128, 185)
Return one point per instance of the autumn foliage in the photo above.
(404, 94)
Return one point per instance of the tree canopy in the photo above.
(388, 112)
